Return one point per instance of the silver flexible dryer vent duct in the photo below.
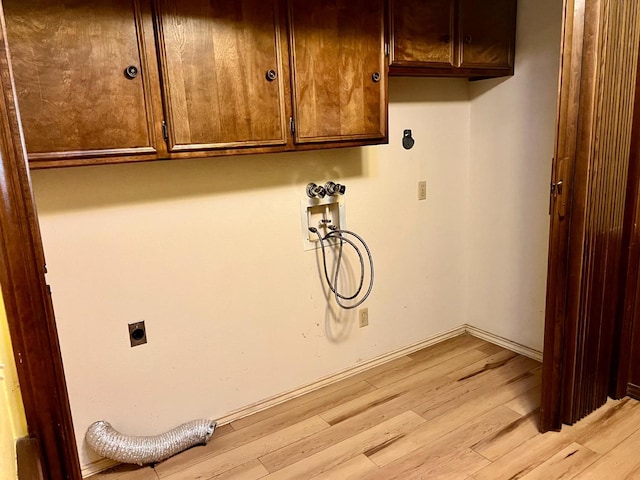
(109, 443)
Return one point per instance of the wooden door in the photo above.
(627, 333)
(589, 184)
(422, 33)
(487, 33)
(338, 70)
(69, 60)
(222, 73)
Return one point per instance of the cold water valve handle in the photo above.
(333, 188)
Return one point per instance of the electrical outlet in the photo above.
(363, 317)
(137, 334)
(422, 190)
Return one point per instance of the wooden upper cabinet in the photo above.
(222, 73)
(69, 61)
(423, 33)
(467, 38)
(487, 30)
(338, 65)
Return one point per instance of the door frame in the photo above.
(27, 298)
(570, 389)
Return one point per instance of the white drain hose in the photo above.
(109, 443)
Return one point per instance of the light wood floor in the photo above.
(462, 409)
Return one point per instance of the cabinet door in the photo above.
(69, 59)
(422, 33)
(338, 70)
(487, 33)
(223, 78)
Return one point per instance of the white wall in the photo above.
(209, 254)
(512, 137)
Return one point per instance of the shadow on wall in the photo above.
(480, 87)
(427, 90)
(82, 188)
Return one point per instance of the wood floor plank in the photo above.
(237, 438)
(619, 463)
(353, 469)
(215, 463)
(509, 437)
(622, 420)
(427, 358)
(370, 440)
(441, 456)
(442, 349)
(306, 410)
(527, 402)
(372, 409)
(527, 456)
(491, 348)
(127, 472)
(494, 387)
(564, 465)
(324, 392)
(419, 383)
(337, 433)
(449, 466)
(252, 470)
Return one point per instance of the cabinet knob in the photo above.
(376, 77)
(131, 72)
(271, 75)
(468, 39)
(446, 38)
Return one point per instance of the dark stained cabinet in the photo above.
(487, 29)
(465, 38)
(423, 33)
(119, 81)
(338, 70)
(222, 74)
(69, 61)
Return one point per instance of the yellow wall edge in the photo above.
(13, 424)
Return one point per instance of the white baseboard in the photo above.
(504, 342)
(105, 464)
(328, 380)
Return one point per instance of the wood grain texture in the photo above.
(422, 33)
(601, 166)
(486, 38)
(215, 57)
(627, 332)
(336, 48)
(456, 38)
(26, 298)
(69, 59)
(599, 61)
(428, 427)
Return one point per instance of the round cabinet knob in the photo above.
(446, 38)
(468, 39)
(271, 75)
(376, 77)
(131, 72)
